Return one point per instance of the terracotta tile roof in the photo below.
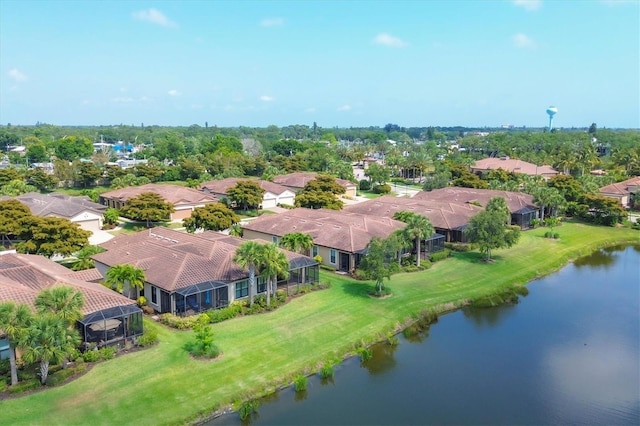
(512, 165)
(23, 276)
(300, 179)
(443, 215)
(517, 201)
(172, 193)
(88, 275)
(342, 230)
(173, 260)
(622, 188)
(59, 205)
(221, 186)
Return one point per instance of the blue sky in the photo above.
(338, 63)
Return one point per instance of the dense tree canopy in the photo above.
(148, 207)
(246, 193)
(213, 216)
(487, 229)
(51, 235)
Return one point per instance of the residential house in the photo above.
(296, 181)
(80, 210)
(521, 205)
(108, 317)
(512, 165)
(622, 191)
(339, 237)
(274, 194)
(190, 273)
(184, 200)
(448, 219)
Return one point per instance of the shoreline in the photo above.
(163, 386)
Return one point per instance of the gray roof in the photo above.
(56, 204)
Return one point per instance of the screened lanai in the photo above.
(201, 297)
(111, 325)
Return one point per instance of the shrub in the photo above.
(180, 323)
(364, 185)
(142, 301)
(25, 386)
(392, 339)
(148, 310)
(365, 353)
(459, 247)
(247, 408)
(327, 370)
(318, 258)
(381, 189)
(203, 345)
(440, 255)
(222, 314)
(300, 383)
(556, 235)
(149, 338)
(60, 376)
(5, 367)
(27, 373)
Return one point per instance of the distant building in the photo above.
(274, 193)
(514, 166)
(184, 199)
(622, 191)
(296, 181)
(80, 210)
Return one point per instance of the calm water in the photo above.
(568, 353)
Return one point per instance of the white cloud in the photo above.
(155, 17)
(522, 41)
(122, 100)
(344, 108)
(174, 92)
(529, 5)
(385, 39)
(17, 75)
(272, 22)
(266, 98)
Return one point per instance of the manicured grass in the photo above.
(163, 385)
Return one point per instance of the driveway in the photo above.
(99, 237)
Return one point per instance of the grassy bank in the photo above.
(162, 385)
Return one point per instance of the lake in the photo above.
(568, 353)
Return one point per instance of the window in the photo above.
(314, 251)
(242, 289)
(154, 295)
(262, 285)
(332, 255)
(274, 239)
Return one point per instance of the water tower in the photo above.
(551, 111)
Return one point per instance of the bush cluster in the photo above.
(106, 353)
(440, 255)
(149, 338)
(459, 247)
(381, 189)
(60, 376)
(24, 386)
(364, 185)
(222, 314)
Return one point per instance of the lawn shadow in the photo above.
(358, 288)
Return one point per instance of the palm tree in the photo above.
(273, 263)
(248, 255)
(418, 227)
(118, 275)
(236, 230)
(84, 257)
(14, 321)
(62, 302)
(47, 340)
(298, 242)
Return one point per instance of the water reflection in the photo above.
(601, 258)
(382, 360)
(490, 317)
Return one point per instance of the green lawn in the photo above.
(162, 385)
